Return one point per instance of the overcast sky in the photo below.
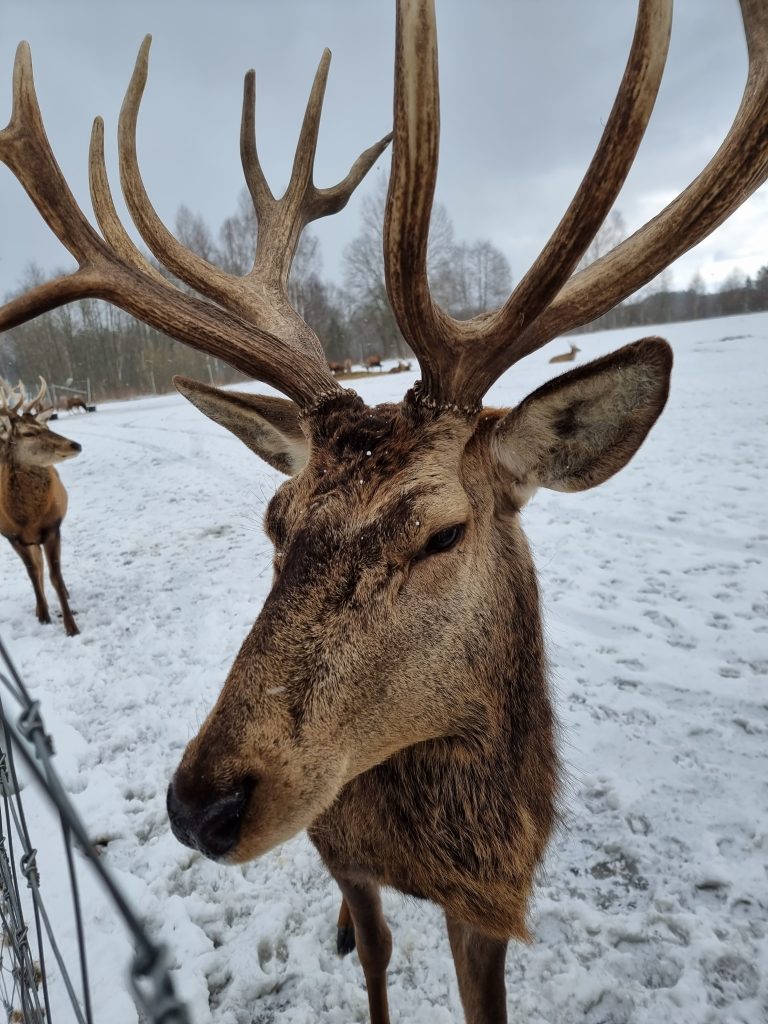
(526, 86)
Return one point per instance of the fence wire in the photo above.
(28, 945)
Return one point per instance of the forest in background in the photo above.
(92, 341)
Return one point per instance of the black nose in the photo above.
(213, 829)
(76, 447)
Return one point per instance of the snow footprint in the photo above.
(729, 979)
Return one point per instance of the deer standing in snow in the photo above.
(566, 357)
(33, 500)
(72, 403)
(392, 695)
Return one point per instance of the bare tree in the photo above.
(481, 279)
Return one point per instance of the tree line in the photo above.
(122, 357)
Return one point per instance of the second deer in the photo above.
(33, 500)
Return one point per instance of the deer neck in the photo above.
(24, 490)
(463, 821)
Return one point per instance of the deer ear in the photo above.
(268, 426)
(582, 427)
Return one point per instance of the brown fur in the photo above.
(393, 699)
(33, 502)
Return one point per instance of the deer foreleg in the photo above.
(32, 557)
(52, 545)
(373, 939)
(479, 964)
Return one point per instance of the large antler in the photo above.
(461, 359)
(246, 321)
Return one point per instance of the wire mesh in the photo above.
(28, 945)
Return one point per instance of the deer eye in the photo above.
(444, 540)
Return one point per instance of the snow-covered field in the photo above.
(653, 904)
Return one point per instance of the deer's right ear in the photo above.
(268, 426)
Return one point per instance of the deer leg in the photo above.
(479, 964)
(373, 939)
(52, 545)
(32, 557)
(345, 931)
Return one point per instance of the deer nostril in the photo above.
(180, 817)
(214, 828)
(220, 825)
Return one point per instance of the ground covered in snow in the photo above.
(653, 904)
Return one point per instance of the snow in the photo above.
(653, 903)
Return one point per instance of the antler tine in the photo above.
(6, 394)
(459, 359)
(185, 264)
(104, 208)
(261, 194)
(25, 150)
(411, 191)
(737, 169)
(32, 402)
(302, 201)
(281, 221)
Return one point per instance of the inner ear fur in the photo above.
(270, 427)
(582, 427)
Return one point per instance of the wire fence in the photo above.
(29, 951)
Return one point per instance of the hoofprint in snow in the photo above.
(653, 903)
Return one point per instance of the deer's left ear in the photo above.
(582, 427)
(268, 426)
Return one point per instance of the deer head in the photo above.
(404, 607)
(25, 437)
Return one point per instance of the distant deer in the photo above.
(392, 696)
(400, 367)
(345, 367)
(372, 360)
(71, 403)
(33, 501)
(566, 357)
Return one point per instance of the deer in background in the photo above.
(372, 361)
(566, 357)
(33, 500)
(392, 695)
(72, 403)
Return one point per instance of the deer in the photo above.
(33, 500)
(73, 402)
(392, 696)
(566, 357)
(372, 361)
